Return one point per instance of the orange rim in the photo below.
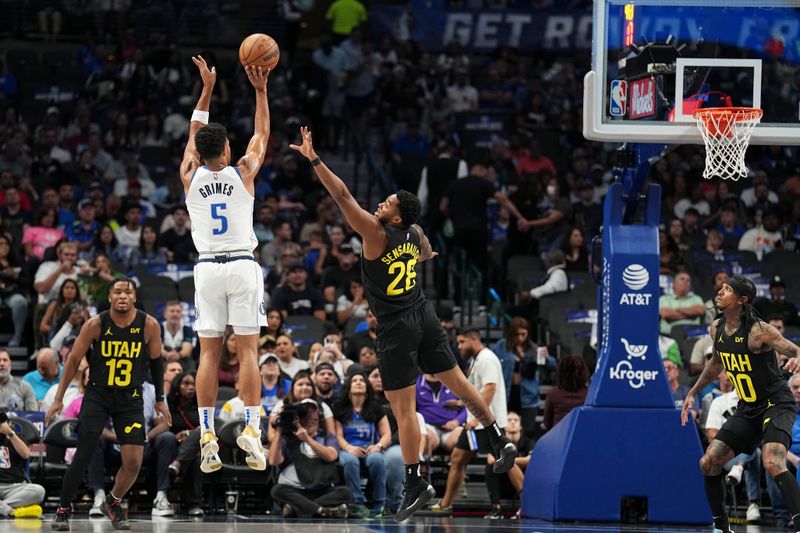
(735, 113)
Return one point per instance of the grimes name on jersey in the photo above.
(215, 188)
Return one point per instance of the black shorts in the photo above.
(412, 342)
(481, 437)
(124, 406)
(749, 425)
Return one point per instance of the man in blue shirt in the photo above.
(84, 230)
(47, 373)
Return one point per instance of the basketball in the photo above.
(259, 50)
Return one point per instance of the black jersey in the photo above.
(119, 359)
(756, 377)
(390, 281)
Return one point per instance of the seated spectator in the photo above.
(74, 389)
(555, 279)
(229, 360)
(696, 201)
(776, 304)
(99, 279)
(69, 324)
(12, 289)
(73, 408)
(518, 356)
(307, 457)
(106, 243)
(679, 391)
(43, 235)
(711, 304)
(496, 483)
(748, 464)
(367, 357)
(728, 227)
(15, 394)
(69, 293)
(302, 388)
(272, 251)
(84, 230)
(701, 352)
(365, 337)
(330, 351)
(336, 279)
(669, 255)
(178, 338)
(682, 307)
(363, 433)
(149, 252)
(351, 304)
(287, 356)
(444, 413)
(275, 324)
(669, 350)
(233, 409)
(19, 498)
(296, 297)
(576, 255)
(171, 369)
(327, 382)
(713, 250)
(274, 384)
(131, 233)
(51, 274)
(186, 433)
(265, 219)
(692, 232)
(572, 378)
(47, 373)
(177, 240)
(767, 237)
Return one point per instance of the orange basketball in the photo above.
(259, 50)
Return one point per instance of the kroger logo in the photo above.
(634, 350)
(636, 378)
(635, 277)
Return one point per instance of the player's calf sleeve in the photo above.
(715, 492)
(790, 492)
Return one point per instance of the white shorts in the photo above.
(441, 435)
(229, 294)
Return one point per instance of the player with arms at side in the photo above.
(410, 336)
(124, 342)
(745, 348)
(229, 283)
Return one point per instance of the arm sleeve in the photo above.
(157, 375)
(60, 336)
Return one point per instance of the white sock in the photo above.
(252, 416)
(206, 419)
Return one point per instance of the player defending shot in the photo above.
(410, 337)
(229, 283)
(125, 343)
(745, 347)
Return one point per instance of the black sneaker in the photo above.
(113, 510)
(339, 511)
(61, 521)
(494, 514)
(505, 452)
(414, 497)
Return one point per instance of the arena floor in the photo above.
(242, 524)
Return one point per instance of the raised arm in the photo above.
(191, 157)
(251, 162)
(89, 332)
(363, 222)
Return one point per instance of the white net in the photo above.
(726, 133)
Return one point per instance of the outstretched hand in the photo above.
(688, 402)
(257, 76)
(307, 148)
(209, 76)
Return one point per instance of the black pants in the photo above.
(498, 485)
(159, 452)
(189, 458)
(306, 502)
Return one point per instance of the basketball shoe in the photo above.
(250, 441)
(209, 452)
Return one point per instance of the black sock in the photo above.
(412, 473)
(715, 492)
(495, 433)
(790, 492)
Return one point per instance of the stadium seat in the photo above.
(186, 289)
(226, 393)
(305, 329)
(50, 469)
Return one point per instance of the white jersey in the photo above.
(221, 211)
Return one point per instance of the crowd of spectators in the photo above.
(89, 192)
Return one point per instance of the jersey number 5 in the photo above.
(223, 220)
(119, 372)
(403, 270)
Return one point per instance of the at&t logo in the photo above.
(636, 278)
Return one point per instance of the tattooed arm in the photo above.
(764, 336)
(710, 372)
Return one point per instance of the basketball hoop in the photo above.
(726, 133)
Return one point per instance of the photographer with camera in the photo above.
(307, 456)
(18, 497)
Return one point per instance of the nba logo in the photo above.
(618, 103)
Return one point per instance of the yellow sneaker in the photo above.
(28, 511)
(209, 452)
(250, 442)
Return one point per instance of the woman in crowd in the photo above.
(186, 427)
(351, 303)
(302, 388)
(576, 255)
(98, 282)
(12, 283)
(363, 432)
(572, 384)
(149, 252)
(274, 385)
(275, 324)
(43, 235)
(229, 362)
(287, 356)
(68, 294)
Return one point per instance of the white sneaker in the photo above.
(209, 453)
(734, 477)
(162, 507)
(250, 442)
(753, 512)
(98, 503)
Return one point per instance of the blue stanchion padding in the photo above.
(583, 467)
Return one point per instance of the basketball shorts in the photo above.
(409, 343)
(769, 421)
(230, 293)
(124, 406)
(468, 440)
